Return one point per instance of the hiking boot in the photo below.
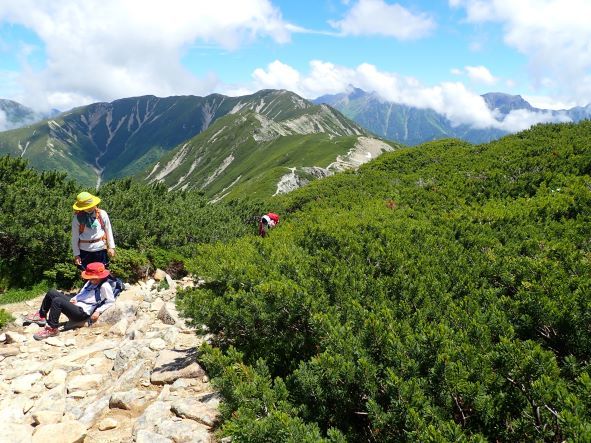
(35, 318)
(46, 332)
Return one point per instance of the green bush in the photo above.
(130, 265)
(440, 293)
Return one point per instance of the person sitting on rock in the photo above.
(93, 299)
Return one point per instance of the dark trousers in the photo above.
(95, 256)
(55, 303)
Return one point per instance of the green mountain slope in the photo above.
(108, 140)
(250, 153)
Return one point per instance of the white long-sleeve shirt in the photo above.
(86, 298)
(94, 233)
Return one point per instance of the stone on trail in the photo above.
(15, 432)
(108, 423)
(110, 382)
(66, 432)
(174, 364)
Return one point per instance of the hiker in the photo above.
(93, 299)
(268, 221)
(92, 236)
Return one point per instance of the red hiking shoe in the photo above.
(35, 318)
(46, 332)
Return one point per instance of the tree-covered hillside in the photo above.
(441, 293)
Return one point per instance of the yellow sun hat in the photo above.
(85, 200)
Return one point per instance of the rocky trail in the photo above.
(130, 377)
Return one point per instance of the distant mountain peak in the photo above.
(505, 103)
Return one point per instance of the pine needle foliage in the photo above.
(440, 293)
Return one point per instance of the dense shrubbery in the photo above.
(153, 227)
(440, 293)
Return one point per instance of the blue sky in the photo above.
(438, 54)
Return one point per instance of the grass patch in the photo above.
(18, 295)
(5, 318)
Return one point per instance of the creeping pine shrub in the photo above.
(459, 314)
(129, 265)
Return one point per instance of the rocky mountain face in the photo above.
(132, 376)
(259, 151)
(412, 126)
(179, 140)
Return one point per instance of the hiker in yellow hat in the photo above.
(92, 236)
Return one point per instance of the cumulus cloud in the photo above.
(553, 34)
(107, 49)
(376, 17)
(481, 74)
(478, 74)
(451, 99)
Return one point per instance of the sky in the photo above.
(435, 54)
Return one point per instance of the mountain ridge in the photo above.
(410, 125)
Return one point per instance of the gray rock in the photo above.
(66, 432)
(14, 337)
(144, 436)
(46, 417)
(193, 409)
(128, 352)
(108, 423)
(85, 382)
(55, 378)
(9, 351)
(130, 400)
(173, 364)
(159, 274)
(94, 410)
(130, 377)
(25, 382)
(168, 314)
(183, 431)
(53, 400)
(121, 309)
(156, 413)
(16, 432)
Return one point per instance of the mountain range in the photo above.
(15, 115)
(270, 141)
(411, 126)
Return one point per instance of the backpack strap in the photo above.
(82, 226)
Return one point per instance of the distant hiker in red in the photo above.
(92, 236)
(93, 299)
(268, 221)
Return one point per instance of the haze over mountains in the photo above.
(15, 115)
(411, 125)
(274, 132)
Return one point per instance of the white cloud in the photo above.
(376, 17)
(553, 34)
(277, 76)
(478, 74)
(544, 102)
(451, 99)
(481, 74)
(107, 49)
